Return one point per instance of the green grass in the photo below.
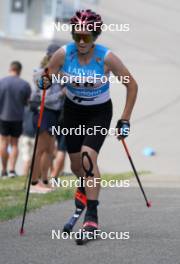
(12, 195)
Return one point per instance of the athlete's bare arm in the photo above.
(115, 65)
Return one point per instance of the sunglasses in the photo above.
(85, 37)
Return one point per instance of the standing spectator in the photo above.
(53, 106)
(14, 94)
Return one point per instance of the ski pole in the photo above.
(33, 157)
(148, 203)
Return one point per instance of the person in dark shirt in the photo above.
(14, 95)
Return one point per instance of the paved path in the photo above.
(154, 233)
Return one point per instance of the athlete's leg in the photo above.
(92, 179)
(76, 166)
(90, 172)
(4, 140)
(90, 149)
(14, 153)
(80, 196)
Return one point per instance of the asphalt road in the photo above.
(154, 233)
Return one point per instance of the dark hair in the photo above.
(16, 66)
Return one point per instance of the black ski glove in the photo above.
(45, 81)
(122, 128)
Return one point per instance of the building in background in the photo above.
(23, 18)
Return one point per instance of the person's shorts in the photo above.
(27, 148)
(89, 117)
(50, 119)
(61, 143)
(11, 128)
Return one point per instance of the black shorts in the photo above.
(11, 128)
(89, 117)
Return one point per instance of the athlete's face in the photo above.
(84, 41)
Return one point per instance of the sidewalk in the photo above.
(154, 232)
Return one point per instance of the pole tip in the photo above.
(21, 232)
(149, 204)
